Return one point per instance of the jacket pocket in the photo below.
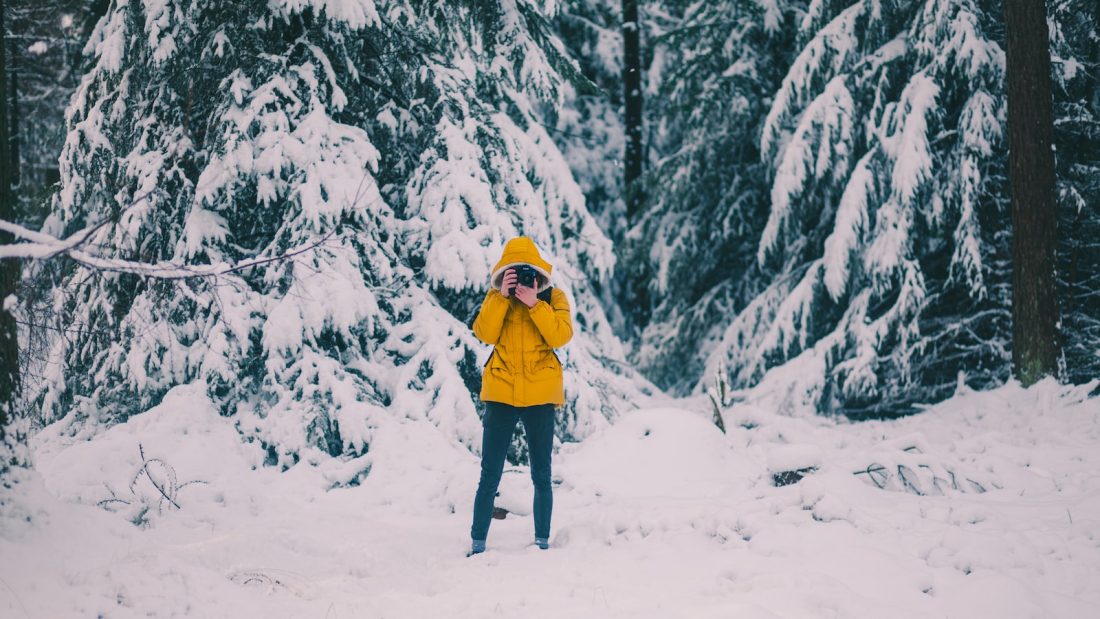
(547, 367)
(498, 367)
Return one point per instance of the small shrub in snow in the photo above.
(913, 468)
(719, 397)
(154, 486)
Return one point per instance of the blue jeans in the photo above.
(498, 426)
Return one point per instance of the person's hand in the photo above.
(527, 296)
(509, 280)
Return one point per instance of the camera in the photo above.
(525, 275)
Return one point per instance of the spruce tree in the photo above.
(1075, 69)
(391, 148)
(689, 259)
(827, 207)
(588, 126)
(1035, 347)
(884, 243)
(9, 269)
(633, 121)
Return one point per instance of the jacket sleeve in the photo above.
(490, 318)
(553, 319)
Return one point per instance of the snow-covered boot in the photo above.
(477, 546)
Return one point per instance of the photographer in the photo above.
(525, 319)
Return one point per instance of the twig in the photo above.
(145, 468)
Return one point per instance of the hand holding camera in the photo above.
(520, 282)
(508, 284)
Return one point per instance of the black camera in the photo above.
(525, 275)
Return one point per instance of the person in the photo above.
(521, 380)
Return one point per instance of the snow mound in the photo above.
(782, 458)
(175, 454)
(659, 453)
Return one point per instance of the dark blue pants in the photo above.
(498, 426)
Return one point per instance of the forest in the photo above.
(781, 217)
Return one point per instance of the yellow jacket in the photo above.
(523, 369)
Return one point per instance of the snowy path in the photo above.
(660, 515)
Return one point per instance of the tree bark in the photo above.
(9, 269)
(13, 114)
(1035, 346)
(632, 97)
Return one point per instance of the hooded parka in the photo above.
(523, 369)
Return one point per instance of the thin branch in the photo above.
(43, 246)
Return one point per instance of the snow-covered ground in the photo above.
(659, 515)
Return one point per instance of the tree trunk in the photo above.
(9, 269)
(632, 97)
(1035, 347)
(13, 114)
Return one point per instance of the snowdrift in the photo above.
(656, 515)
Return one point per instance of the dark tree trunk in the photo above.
(1035, 346)
(13, 114)
(632, 96)
(9, 269)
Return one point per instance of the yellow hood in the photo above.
(521, 250)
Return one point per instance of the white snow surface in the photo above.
(656, 515)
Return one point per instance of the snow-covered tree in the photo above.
(44, 44)
(690, 259)
(827, 205)
(588, 126)
(1075, 53)
(886, 236)
(9, 271)
(391, 147)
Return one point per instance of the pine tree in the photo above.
(46, 41)
(1035, 348)
(690, 260)
(862, 262)
(1075, 50)
(9, 269)
(884, 235)
(634, 154)
(589, 124)
(394, 147)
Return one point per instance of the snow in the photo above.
(782, 458)
(826, 124)
(355, 13)
(658, 514)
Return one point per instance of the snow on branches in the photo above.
(349, 170)
(879, 141)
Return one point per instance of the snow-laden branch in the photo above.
(41, 246)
